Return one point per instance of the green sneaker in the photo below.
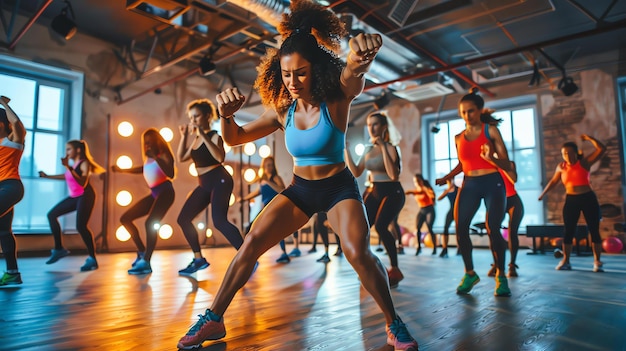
(467, 283)
(11, 279)
(502, 287)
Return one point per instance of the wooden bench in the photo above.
(554, 231)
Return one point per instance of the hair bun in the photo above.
(474, 90)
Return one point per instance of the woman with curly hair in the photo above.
(158, 170)
(206, 150)
(82, 199)
(476, 146)
(309, 90)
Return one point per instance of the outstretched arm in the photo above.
(600, 150)
(555, 179)
(18, 131)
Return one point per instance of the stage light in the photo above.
(249, 175)
(209, 232)
(124, 162)
(167, 134)
(264, 151)
(165, 231)
(229, 169)
(359, 149)
(207, 67)
(249, 149)
(122, 234)
(62, 24)
(567, 86)
(125, 129)
(123, 198)
(200, 225)
(192, 170)
(435, 129)
(232, 200)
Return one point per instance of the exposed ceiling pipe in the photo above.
(427, 53)
(29, 24)
(269, 11)
(607, 27)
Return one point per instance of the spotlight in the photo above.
(435, 129)
(207, 67)
(62, 24)
(567, 86)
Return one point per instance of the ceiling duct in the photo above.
(401, 11)
(427, 88)
(270, 11)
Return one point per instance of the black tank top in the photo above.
(202, 156)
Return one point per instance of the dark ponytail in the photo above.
(485, 116)
(574, 147)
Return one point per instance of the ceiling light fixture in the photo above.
(62, 24)
(566, 85)
(207, 67)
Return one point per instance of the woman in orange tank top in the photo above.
(425, 197)
(573, 172)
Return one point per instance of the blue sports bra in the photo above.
(322, 144)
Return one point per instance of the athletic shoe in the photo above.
(558, 253)
(597, 267)
(11, 279)
(195, 265)
(208, 327)
(339, 252)
(562, 266)
(434, 252)
(312, 250)
(284, 258)
(444, 253)
(492, 271)
(295, 252)
(400, 250)
(398, 337)
(395, 276)
(502, 287)
(90, 264)
(139, 257)
(419, 250)
(379, 249)
(467, 283)
(512, 270)
(57, 255)
(324, 259)
(141, 267)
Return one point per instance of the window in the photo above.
(48, 100)
(520, 133)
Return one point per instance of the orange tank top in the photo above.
(10, 155)
(469, 152)
(508, 184)
(574, 175)
(423, 200)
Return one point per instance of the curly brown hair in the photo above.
(315, 33)
(206, 107)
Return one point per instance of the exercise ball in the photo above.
(426, 239)
(403, 230)
(505, 233)
(612, 245)
(406, 238)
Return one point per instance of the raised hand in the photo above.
(65, 161)
(183, 129)
(229, 101)
(364, 47)
(42, 174)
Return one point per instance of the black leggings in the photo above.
(83, 205)
(515, 209)
(449, 219)
(319, 228)
(383, 202)
(586, 203)
(11, 192)
(155, 206)
(489, 187)
(215, 188)
(426, 215)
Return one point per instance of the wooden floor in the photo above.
(306, 305)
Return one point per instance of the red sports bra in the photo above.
(469, 152)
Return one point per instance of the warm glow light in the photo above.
(359, 149)
(200, 225)
(264, 151)
(229, 169)
(125, 129)
(192, 170)
(166, 231)
(249, 149)
(124, 162)
(232, 200)
(167, 134)
(227, 148)
(122, 234)
(209, 232)
(249, 175)
(123, 198)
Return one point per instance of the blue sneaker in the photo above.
(284, 258)
(208, 327)
(139, 257)
(324, 259)
(195, 265)
(295, 253)
(57, 255)
(398, 336)
(141, 267)
(11, 279)
(90, 265)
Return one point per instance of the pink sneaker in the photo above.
(398, 337)
(208, 327)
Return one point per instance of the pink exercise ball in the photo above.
(406, 238)
(505, 233)
(403, 230)
(612, 245)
